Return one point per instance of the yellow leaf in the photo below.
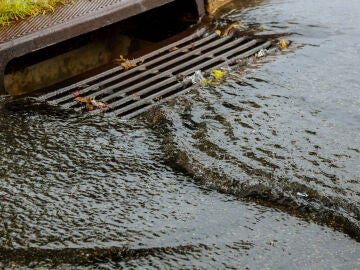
(218, 74)
(205, 82)
(218, 32)
(283, 44)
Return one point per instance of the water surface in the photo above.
(260, 171)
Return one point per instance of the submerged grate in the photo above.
(162, 76)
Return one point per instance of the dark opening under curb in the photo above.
(49, 66)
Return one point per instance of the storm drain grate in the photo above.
(163, 74)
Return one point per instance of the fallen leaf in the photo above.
(128, 63)
(98, 104)
(87, 102)
(218, 32)
(91, 103)
(173, 49)
(76, 93)
(230, 27)
(82, 99)
(218, 74)
(283, 44)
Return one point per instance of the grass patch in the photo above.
(13, 10)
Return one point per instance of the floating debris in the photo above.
(228, 29)
(91, 103)
(76, 93)
(261, 53)
(129, 63)
(302, 194)
(218, 32)
(218, 74)
(261, 29)
(283, 44)
(173, 49)
(232, 26)
(137, 95)
(197, 78)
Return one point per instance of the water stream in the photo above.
(261, 171)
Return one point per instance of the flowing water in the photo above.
(261, 171)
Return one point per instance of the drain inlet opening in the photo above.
(70, 60)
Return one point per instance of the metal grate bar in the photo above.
(164, 74)
(191, 70)
(145, 67)
(169, 72)
(97, 77)
(146, 108)
(150, 99)
(160, 75)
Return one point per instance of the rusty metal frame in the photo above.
(13, 45)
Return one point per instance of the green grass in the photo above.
(13, 10)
